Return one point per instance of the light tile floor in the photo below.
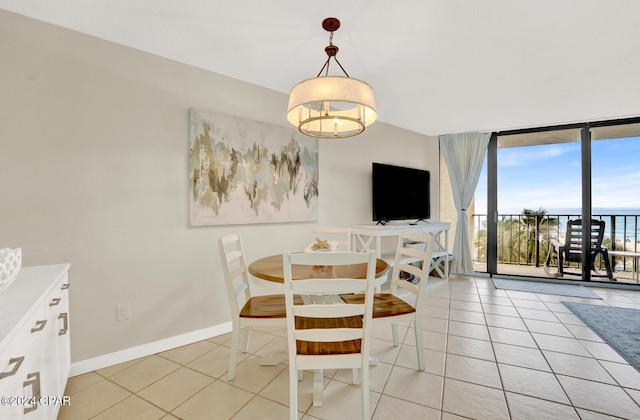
(491, 354)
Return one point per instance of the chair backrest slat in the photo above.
(320, 311)
(408, 251)
(329, 335)
(412, 269)
(574, 234)
(420, 247)
(234, 268)
(328, 286)
(236, 272)
(233, 255)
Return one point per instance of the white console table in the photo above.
(369, 238)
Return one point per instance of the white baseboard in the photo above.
(106, 360)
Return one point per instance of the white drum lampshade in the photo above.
(331, 107)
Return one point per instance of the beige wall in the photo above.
(93, 171)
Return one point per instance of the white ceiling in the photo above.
(437, 66)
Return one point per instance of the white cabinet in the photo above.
(34, 343)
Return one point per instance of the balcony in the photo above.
(523, 243)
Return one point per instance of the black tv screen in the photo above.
(399, 193)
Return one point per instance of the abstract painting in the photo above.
(243, 171)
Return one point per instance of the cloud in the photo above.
(525, 155)
(617, 189)
(549, 176)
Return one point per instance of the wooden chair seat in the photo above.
(326, 348)
(269, 306)
(384, 304)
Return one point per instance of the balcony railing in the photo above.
(524, 239)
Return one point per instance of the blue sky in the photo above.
(548, 176)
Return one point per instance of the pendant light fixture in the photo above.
(331, 107)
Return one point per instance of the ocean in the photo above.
(623, 211)
(625, 219)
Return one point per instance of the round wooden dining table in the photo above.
(271, 269)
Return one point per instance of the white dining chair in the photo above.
(246, 310)
(405, 301)
(340, 235)
(332, 335)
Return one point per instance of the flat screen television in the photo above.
(399, 193)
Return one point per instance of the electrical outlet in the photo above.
(123, 311)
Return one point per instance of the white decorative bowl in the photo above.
(10, 264)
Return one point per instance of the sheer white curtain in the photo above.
(464, 155)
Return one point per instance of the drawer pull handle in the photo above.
(55, 301)
(64, 286)
(65, 322)
(17, 362)
(33, 380)
(39, 326)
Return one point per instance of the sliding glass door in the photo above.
(535, 181)
(538, 184)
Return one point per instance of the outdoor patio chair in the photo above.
(571, 250)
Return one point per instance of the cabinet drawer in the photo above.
(19, 377)
(12, 368)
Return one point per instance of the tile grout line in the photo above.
(495, 356)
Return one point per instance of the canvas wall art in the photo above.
(243, 171)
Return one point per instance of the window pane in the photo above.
(539, 189)
(478, 222)
(616, 191)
